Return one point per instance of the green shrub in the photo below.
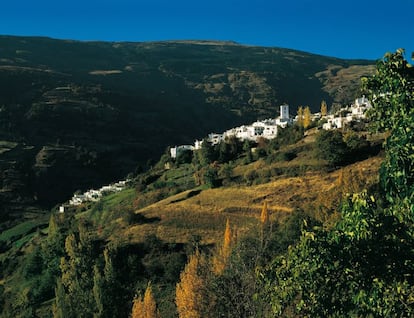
(331, 147)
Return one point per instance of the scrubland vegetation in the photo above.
(310, 224)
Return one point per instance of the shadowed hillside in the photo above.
(79, 114)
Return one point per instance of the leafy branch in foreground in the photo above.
(364, 265)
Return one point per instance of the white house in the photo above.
(197, 144)
(215, 138)
(334, 122)
(175, 151)
(360, 106)
(95, 195)
(77, 199)
(265, 128)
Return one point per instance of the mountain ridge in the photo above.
(114, 105)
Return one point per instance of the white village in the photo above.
(94, 195)
(268, 128)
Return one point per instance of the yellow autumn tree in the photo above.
(324, 109)
(307, 117)
(138, 307)
(145, 308)
(300, 116)
(264, 216)
(222, 255)
(190, 290)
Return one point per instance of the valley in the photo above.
(262, 227)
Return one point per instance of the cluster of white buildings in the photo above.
(268, 128)
(264, 128)
(94, 195)
(348, 114)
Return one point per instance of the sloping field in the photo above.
(204, 212)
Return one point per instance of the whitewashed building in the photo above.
(355, 112)
(334, 123)
(175, 151)
(264, 128)
(267, 128)
(284, 119)
(360, 106)
(215, 138)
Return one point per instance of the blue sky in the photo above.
(346, 29)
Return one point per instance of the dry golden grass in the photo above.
(178, 218)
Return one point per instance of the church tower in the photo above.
(284, 112)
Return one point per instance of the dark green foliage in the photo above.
(331, 147)
(34, 264)
(229, 149)
(352, 270)
(392, 92)
(287, 136)
(364, 265)
(185, 156)
(280, 156)
(354, 142)
(210, 177)
(285, 234)
(77, 275)
(260, 153)
(207, 154)
(43, 287)
(226, 171)
(1, 296)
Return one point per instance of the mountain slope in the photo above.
(80, 114)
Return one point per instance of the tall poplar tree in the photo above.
(221, 257)
(307, 117)
(324, 109)
(77, 275)
(300, 116)
(190, 290)
(145, 307)
(264, 216)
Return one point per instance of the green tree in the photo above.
(60, 307)
(210, 177)
(357, 269)
(206, 154)
(247, 148)
(331, 147)
(77, 274)
(364, 265)
(184, 156)
(34, 264)
(391, 90)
